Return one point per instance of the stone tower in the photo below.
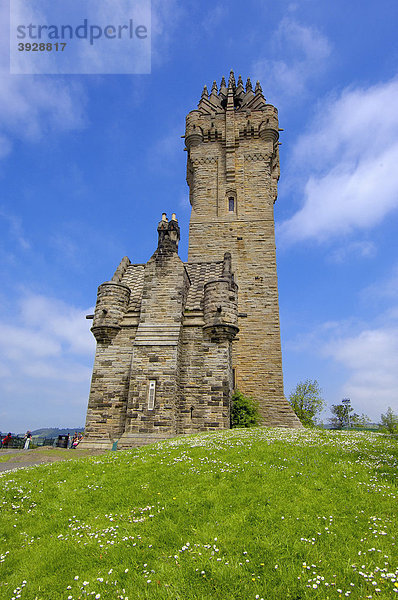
(232, 173)
(175, 338)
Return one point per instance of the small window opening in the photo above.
(191, 412)
(231, 204)
(151, 395)
(233, 379)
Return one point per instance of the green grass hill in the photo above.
(252, 514)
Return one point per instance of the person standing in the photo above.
(27, 439)
(7, 440)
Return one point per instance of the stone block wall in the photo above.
(236, 156)
(106, 412)
(206, 382)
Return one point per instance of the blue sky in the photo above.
(88, 163)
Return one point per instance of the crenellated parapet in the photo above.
(231, 123)
(253, 117)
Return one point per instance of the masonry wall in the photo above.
(249, 173)
(156, 351)
(106, 411)
(206, 382)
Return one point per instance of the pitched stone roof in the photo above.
(133, 277)
(199, 274)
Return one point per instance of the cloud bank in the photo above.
(349, 156)
(305, 50)
(46, 354)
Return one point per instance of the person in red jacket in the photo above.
(7, 440)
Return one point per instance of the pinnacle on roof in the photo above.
(234, 97)
(239, 88)
(205, 93)
(223, 87)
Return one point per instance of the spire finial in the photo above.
(205, 93)
(258, 89)
(239, 88)
(223, 87)
(231, 80)
(214, 88)
(249, 87)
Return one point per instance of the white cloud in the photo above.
(34, 106)
(386, 289)
(60, 321)
(371, 357)
(166, 151)
(358, 249)
(46, 354)
(15, 227)
(213, 17)
(19, 343)
(349, 156)
(166, 17)
(305, 51)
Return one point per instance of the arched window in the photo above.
(230, 202)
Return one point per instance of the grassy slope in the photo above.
(244, 514)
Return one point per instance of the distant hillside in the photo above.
(52, 432)
(49, 432)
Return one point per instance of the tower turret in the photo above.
(220, 310)
(112, 302)
(232, 173)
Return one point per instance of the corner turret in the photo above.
(220, 308)
(112, 302)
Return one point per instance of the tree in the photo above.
(389, 421)
(359, 421)
(344, 416)
(244, 411)
(306, 401)
(339, 419)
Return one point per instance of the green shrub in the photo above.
(389, 422)
(244, 412)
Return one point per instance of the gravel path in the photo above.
(20, 459)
